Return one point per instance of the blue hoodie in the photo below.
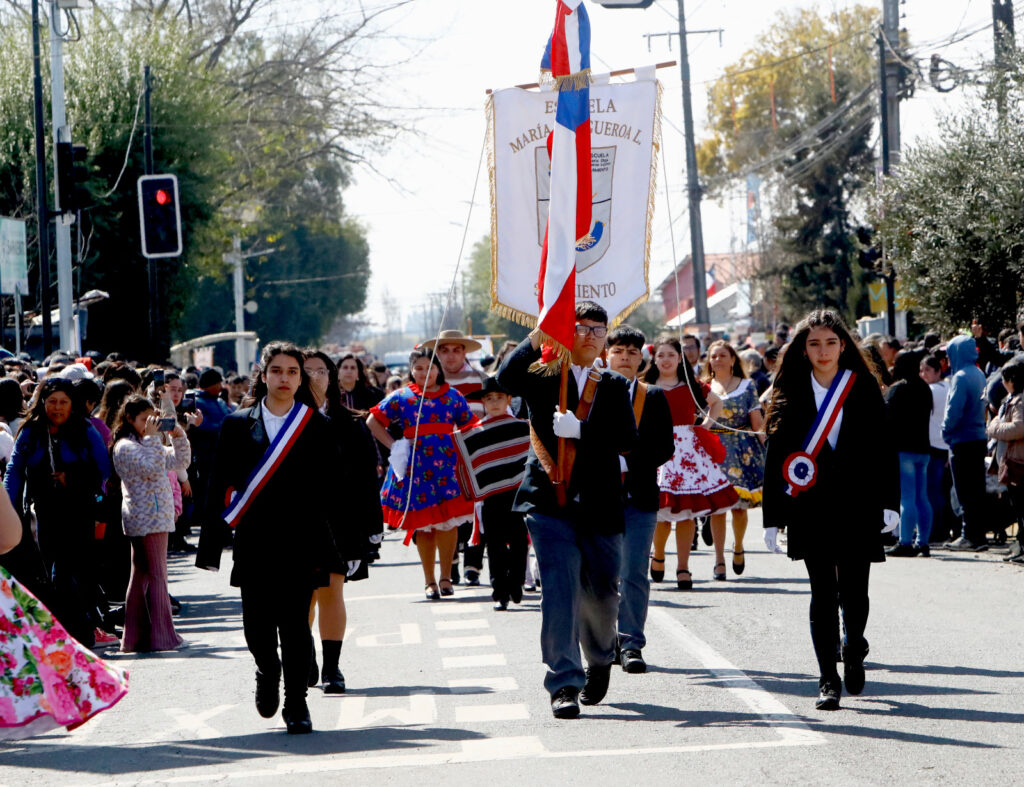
(965, 408)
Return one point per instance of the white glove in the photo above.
(566, 424)
(376, 538)
(891, 519)
(353, 567)
(623, 467)
(399, 459)
(771, 540)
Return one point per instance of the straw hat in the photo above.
(453, 337)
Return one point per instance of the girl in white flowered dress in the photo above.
(692, 484)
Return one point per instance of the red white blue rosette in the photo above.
(801, 471)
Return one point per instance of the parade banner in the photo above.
(612, 263)
(13, 256)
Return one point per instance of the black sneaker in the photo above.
(633, 662)
(828, 695)
(268, 695)
(565, 703)
(456, 576)
(853, 670)
(296, 717)
(924, 550)
(596, 685)
(901, 550)
(472, 577)
(334, 682)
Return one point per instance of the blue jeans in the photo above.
(936, 498)
(635, 588)
(579, 570)
(915, 510)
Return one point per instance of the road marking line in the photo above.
(469, 608)
(407, 634)
(483, 641)
(790, 727)
(461, 625)
(517, 746)
(482, 685)
(485, 660)
(422, 710)
(349, 599)
(474, 713)
(195, 723)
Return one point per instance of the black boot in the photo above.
(334, 681)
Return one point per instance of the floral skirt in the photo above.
(691, 484)
(47, 678)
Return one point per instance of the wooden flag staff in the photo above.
(621, 72)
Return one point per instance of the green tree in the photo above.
(952, 216)
(774, 113)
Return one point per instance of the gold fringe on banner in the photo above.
(577, 81)
(554, 366)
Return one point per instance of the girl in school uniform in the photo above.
(832, 479)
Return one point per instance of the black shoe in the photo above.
(447, 589)
(901, 550)
(314, 673)
(684, 584)
(657, 575)
(828, 695)
(456, 577)
(853, 670)
(633, 662)
(501, 606)
(597, 684)
(472, 577)
(268, 695)
(565, 703)
(516, 593)
(718, 575)
(175, 605)
(296, 717)
(924, 550)
(334, 684)
(737, 568)
(705, 532)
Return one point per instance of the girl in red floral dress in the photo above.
(692, 484)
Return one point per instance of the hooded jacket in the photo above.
(965, 407)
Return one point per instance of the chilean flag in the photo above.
(569, 211)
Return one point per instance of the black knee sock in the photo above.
(332, 655)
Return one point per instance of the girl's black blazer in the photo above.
(841, 515)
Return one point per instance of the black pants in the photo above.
(506, 540)
(473, 556)
(269, 610)
(834, 584)
(968, 467)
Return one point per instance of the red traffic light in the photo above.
(162, 197)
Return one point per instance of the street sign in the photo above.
(624, 3)
(13, 256)
(159, 216)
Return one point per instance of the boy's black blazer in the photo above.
(609, 431)
(655, 446)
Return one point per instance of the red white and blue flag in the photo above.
(569, 211)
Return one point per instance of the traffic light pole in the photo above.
(151, 269)
(42, 211)
(62, 223)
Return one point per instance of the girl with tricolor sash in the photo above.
(832, 479)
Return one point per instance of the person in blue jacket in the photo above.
(963, 429)
(59, 465)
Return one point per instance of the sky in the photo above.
(416, 203)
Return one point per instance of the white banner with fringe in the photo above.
(612, 266)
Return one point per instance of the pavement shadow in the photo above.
(204, 752)
(936, 669)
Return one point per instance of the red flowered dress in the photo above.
(437, 501)
(692, 484)
(47, 679)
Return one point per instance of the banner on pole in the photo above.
(13, 256)
(612, 266)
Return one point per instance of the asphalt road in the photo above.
(450, 692)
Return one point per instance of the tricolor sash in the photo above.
(800, 469)
(278, 449)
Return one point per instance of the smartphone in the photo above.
(188, 403)
(167, 424)
(158, 377)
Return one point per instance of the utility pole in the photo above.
(147, 148)
(63, 220)
(891, 43)
(700, 292)
(238, 282)
(1003, 31)
(42, 209)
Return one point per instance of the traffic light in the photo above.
(159, 216)
(72, 174)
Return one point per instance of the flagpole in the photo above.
(561, 493)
